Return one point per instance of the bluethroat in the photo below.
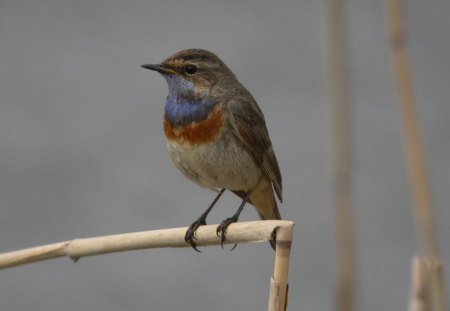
(217, 136)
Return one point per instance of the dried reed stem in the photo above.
(243, 232)
(423, 273)
(278, 282)
(411, 131)
(345, 295)
(420, 193)
(420, 297)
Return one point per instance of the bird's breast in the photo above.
(202, 131)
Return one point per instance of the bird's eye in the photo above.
(190, 69)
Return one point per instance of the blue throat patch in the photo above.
(182, 105)
(183, 110)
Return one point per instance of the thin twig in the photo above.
(345, 295)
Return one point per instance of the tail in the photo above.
(263, 198)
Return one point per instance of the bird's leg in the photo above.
(222, 228)
(189, 237)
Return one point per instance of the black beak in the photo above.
(156, 67)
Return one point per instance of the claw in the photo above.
(220, 234)
(194, 246)
(189, 237)
(192, 243)
(234, 246)
(273, 240)
(222, 229)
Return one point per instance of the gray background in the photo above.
(82, 151)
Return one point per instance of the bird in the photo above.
(216, 135)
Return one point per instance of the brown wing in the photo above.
(250, 128)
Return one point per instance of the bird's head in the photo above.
(193, 71)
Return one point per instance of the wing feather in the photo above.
(249, 127)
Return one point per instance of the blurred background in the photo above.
(82, 151)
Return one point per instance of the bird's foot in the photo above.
(189, 237)
(221, 230)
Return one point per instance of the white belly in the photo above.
(220, 164)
